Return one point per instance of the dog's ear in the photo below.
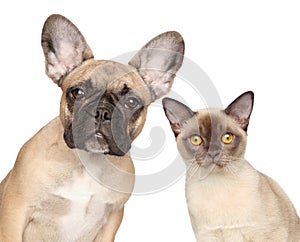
(64, 47)
(159, 60)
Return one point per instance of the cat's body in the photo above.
(228, 200)
(245, 207)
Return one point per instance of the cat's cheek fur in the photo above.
(187, 153)
(238, 147)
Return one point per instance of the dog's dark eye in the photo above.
(77, 93)
(131, 102)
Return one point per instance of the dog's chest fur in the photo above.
(76, 210)
(89, 204)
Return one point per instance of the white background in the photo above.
(241, 45)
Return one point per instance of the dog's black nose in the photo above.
(103, 114)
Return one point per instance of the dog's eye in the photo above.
(131, 102)
(77, 93)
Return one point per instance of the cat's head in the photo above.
(211, 137)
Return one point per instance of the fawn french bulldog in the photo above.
(71, 180)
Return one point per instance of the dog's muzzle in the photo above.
(111, 126)
(103, 113)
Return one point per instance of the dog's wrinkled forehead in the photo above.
(108, 76)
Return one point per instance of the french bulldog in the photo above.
(71, 180)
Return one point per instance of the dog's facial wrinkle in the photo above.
(89, 92)
(125, 90)
(117, 132)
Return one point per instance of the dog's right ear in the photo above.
(64, 47)
(159, 60)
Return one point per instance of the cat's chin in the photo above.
(208, 167)
(206, 170)
(206, 164)
(209, 163)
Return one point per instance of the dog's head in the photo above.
(104, 103)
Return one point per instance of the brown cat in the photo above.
(228, 200)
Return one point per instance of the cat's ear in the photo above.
(177, 113)
(64, 47)
(240, 109)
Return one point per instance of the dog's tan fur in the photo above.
(49, 195)
(53, 166)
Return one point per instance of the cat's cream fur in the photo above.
(228, 199)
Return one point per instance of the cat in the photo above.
(228, 200)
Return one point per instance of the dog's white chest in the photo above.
(88, 207)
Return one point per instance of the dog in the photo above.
(71, 180)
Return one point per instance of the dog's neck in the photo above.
(110, 171)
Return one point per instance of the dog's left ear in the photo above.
(159, 60)
(64, 47)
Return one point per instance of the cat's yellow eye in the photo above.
(196, 140)
(227, 138)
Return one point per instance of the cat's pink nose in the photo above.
(214, 155)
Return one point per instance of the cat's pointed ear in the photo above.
(240, 109)
(64, 47)
(176, 113)
(159, 60)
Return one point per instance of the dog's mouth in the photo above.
(108, 145)
(107, 139)
(104, 147)
(99, 135)
(111, 129)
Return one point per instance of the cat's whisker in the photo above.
(205, 172)
(230, 165)
(192, 169)
(231, 169)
